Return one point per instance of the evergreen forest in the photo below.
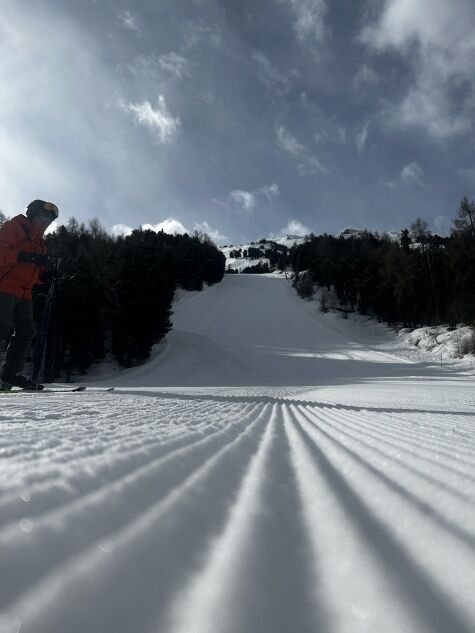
(421, 279)
(114, 295)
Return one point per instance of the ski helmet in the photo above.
(38, 207)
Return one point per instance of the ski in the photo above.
(78, 389)
(60, 390)
(57, 390)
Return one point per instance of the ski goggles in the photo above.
(51, 210)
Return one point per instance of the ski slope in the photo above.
(270, 470)
(253, 330)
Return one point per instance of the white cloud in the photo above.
(214, 234)
(289, 142)
(128, 20)
(163, 125)
(170, 225)
(411, 175)
(437, 38)
(145, 65)
(311, 165)
(174, 64)
(270, 75)
(158, 66)
(121, 229)
(294, 228)
(404, 22)
(197, 33)
(270, 191)
(309, 21)
(245, 199)
(307, 164)
(248, 200)
(332, 134)
(361, 137)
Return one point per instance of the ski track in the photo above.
(216, 491)
(244, 513)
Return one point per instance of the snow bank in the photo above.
(441, 340)
(437, 343)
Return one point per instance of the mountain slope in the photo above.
(253, 330)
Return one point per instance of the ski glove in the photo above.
(32, 258)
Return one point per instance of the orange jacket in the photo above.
(16, 235)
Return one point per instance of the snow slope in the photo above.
(253, 330)
(269, 470)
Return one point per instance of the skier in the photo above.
(23, 261)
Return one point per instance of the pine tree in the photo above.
(419, 231)
(405, 240)
(145, 286)
(465, 220)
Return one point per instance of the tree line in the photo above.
(421, 279)
(114, 294)
(275, 253)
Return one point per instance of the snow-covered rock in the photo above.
(348, 233)
(441, 341)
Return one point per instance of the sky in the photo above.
(243, 119)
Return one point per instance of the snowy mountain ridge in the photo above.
(348, 233)
(264, 251)
(238, 257)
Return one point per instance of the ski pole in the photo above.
(41, 345)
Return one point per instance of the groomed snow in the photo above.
(270, 470)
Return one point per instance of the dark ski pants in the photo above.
(16, 313)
